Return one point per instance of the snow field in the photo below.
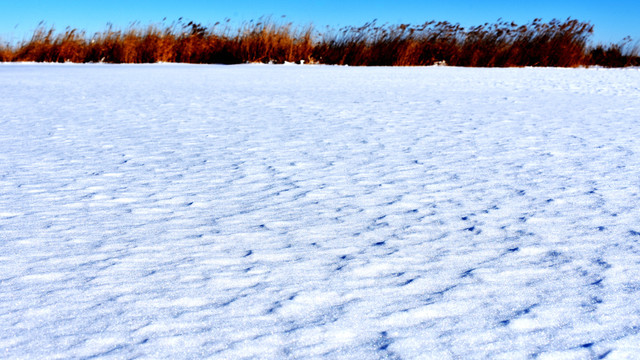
(178, 211)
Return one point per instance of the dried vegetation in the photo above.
(503, 44)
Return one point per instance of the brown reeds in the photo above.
(503, 44)
(616, 55)
(46, 46)
(5, 53)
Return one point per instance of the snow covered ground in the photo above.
(177, 211)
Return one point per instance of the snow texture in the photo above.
(266, 211)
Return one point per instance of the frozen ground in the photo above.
(173, 211)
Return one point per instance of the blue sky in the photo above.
(613, 20)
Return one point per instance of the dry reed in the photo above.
(503, 44)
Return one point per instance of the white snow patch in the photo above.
(180, 211)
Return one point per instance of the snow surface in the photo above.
(178, 211)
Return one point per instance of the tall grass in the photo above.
(502, 44)
(5, 53)
(616, 55)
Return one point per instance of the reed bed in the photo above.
(502, 44)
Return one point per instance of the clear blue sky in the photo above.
(613, 20)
